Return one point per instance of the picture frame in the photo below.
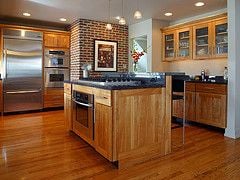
(105, 55)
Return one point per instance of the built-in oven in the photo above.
(83, 115)
(56, 58)
(54, 77)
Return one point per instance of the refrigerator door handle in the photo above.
(23, 92)
(4, 63)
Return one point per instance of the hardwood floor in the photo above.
(36, 146)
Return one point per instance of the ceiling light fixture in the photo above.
(168, 14)
(122, 20)
(26, 14)
(118, 17)
(109, 26)
(63, 19)
(23, 33)
(137, 14)
(199, 4)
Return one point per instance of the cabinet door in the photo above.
(211, 109)
(190, 105)
(220, 38)
(68, 111)
(184, 44)
(202, 41)
(169, 51)
(50, 40)
(103, 130)
(63, 41)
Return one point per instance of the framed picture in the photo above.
(105, 55)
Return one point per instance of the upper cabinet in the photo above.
(56, 40)
(169, 52)
(220, 39)
(184, 44)
(177, 44)
(206, 39)
(202, 41)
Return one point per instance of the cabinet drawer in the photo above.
(190, 86)
(53, 97)
(211, 88)
(67, 88)
(102, 96)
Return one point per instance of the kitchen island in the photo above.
(131, 123)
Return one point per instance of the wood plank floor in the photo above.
(36, 146)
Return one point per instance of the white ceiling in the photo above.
(52, 10)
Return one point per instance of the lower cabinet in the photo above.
(53, 97)
(211, 109)
(103, 130)
(190, 105)
(204, 103)
(68, 111)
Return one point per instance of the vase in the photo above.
(135, 68)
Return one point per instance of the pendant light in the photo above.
(122, 20)
(137, 14)
(109, 26)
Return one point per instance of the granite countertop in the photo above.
(208, 81)
(109, 86)
(215, 80)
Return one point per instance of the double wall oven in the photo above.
(56, 67)
(83, 115)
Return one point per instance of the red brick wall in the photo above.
(83, 33)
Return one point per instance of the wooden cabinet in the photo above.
(169, 51)
(68, 106)
(177, 44)
(210, 40)
(56, 40)
(202, 41)
(205, 39)
(53, 97)
(103, 130)
(103, 126)
(1, 97)
(211, 109)
(204, 103)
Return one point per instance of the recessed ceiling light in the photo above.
(26, 14)
(63, 19)
(118, 17)
(168, 14)
(199, 4)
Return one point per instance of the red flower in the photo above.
(136, 56)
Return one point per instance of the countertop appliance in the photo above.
(56, 67)
(22, 70)
(83, 115)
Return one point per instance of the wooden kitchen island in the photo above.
(131, 125)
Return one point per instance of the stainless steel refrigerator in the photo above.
(22, 70)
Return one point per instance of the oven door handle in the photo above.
(82, 104)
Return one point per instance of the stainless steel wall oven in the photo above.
(56, 67)
(83, 115)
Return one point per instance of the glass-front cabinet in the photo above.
(178, 44)
(220, 40)
(184, 44)
(202, 41)
(210, 40)
(169, 52)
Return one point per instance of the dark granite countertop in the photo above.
(212, 80)
(208, 81)
(101, 85)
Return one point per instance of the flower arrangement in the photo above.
(136, 56)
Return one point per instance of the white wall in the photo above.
(142, 29)
(151, 29)
(233, 116)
